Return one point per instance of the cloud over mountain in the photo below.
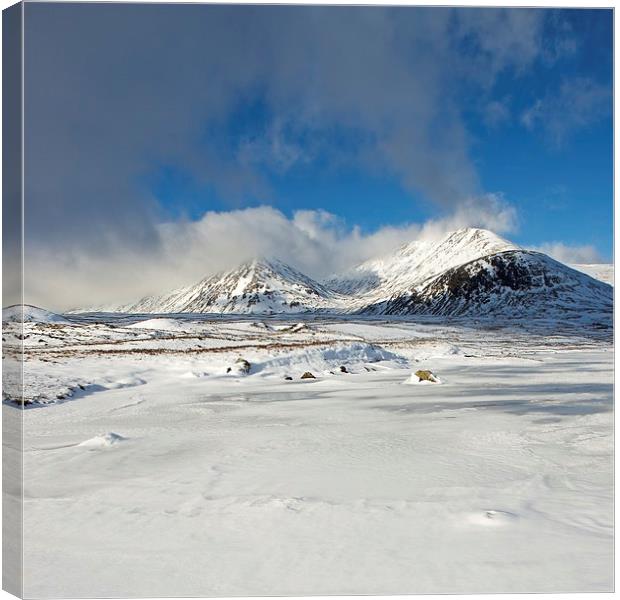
(314, 241)
(118, 90)
(233, 98)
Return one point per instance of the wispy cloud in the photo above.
(281, 145)
(577, 104)
(569, 254)
(496, 112)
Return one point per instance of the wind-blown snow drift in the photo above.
(321, 359)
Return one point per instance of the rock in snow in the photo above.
(425, 375)
(241, 367)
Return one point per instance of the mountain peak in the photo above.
(260, 261)
(478, 234)
(418, 261)
(480, 241)
(470, 240)
(259, 285)
(261, 264)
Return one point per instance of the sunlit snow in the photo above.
(149, 470)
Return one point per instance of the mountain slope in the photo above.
(377, 280)
(26, 313)
(466, 272)
(258, 286)
(512, 283)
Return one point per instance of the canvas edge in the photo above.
(12, 293)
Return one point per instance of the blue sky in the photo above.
(555, 168)
(143, 119)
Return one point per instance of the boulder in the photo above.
(241, 367)
(425, 375)
(308, 375)
(343, 369)
(288, 378)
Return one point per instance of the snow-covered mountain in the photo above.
(412, 264)
(512, 283)
(258, 286)
(26, 313)
(466, 272)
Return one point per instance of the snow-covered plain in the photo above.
(152, 471)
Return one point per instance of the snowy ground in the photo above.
(152, 471)
(601, 271)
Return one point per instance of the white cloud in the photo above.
(489, 211)
(241, 92)
(315, 241)
(586, 254)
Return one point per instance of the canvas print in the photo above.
(306, 300)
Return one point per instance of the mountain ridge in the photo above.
(257, 285)
(413, 263)
(508, 283)
(467, 271)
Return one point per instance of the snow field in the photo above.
(167, 476)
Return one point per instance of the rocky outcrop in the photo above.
(514, 283)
